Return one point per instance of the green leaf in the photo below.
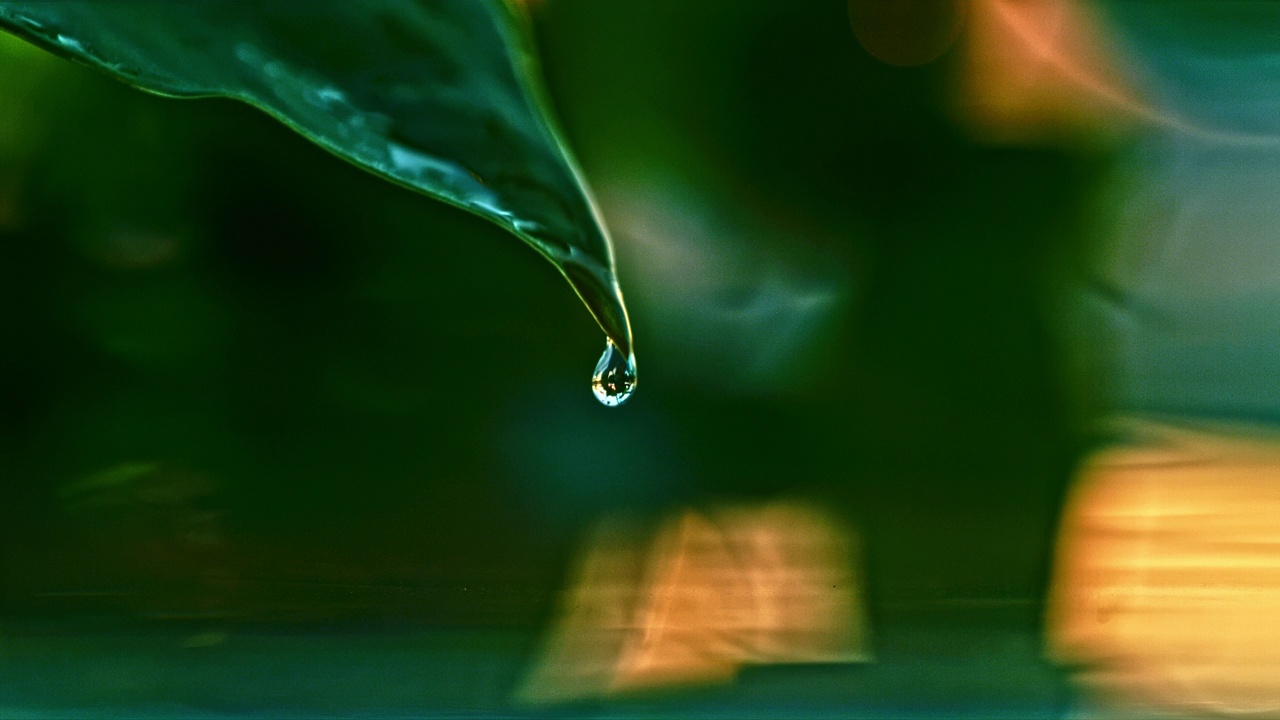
(441, 96)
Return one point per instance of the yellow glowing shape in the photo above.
(1167, 585)
(707, 595)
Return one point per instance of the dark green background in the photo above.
(353, 404)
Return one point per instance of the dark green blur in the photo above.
(243, 384)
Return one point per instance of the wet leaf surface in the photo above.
(440, 96)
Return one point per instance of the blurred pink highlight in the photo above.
(1037, 68)
(1042, 67)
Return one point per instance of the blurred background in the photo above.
(277, 436)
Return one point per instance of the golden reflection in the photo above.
(1167, 584)
(708, 593)
(1041, 67)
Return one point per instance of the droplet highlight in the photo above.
(615, 378)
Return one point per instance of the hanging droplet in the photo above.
(615, 376)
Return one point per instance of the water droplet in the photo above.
(615, 376)
(71, 43)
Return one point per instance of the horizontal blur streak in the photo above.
(1167, 586)
(705, 595)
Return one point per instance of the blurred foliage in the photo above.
(191, 287)
(383, 396)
